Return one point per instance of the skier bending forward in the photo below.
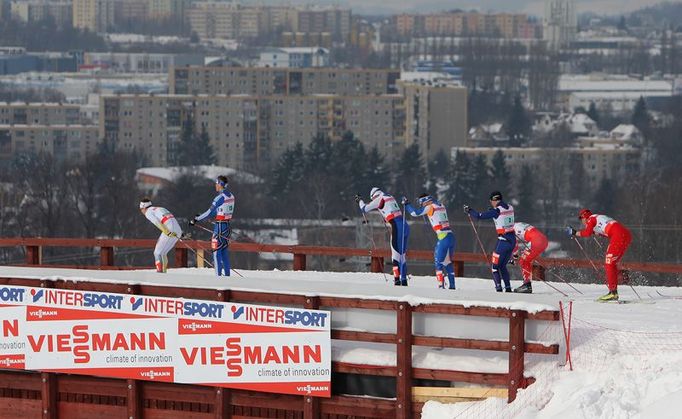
(170, 231)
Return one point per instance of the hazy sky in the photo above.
(535, 7)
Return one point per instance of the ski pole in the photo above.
(559, 277)
(478, 238)
(195, 252)
(371, 237)
(222, 237)
(598, 244)
(403, 253)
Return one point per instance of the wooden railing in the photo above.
(27, 394)
(33, 249)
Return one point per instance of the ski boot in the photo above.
(508, 289)
(526, 288)
(403, 282)
(396, 282)
(498, 289)
(611, 296)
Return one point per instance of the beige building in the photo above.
(39, 113)
(599, 162)
(504, 25)
(436, 116)
(167, 9)
(35, 11)
(65, 142)
(248, 132)
(273, 81)
(94, 15)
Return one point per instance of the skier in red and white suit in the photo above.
(536, 243)
(619, 241)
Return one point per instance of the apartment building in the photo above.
(39, 113)
(248, 132)
(218, 19)
(70, 143)
(274, 81)
(35, 11)
(436, 116)
(94, 15)
(504, 25)
(166, 9)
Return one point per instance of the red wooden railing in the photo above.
(300, 253)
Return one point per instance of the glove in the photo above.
(357, 198)
(570, 231)
(404, 201)
(171, 234)
(467, 209)
(193, 220)
(514, 258)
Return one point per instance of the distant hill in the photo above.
(661, 15)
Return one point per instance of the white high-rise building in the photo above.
(560, 24)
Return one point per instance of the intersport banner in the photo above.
(260, 348)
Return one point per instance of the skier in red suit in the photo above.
(619, 241)
(536, 243)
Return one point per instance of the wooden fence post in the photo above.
(377, 264)
(181, 257)
(404, 361)
(134, 402)
(311, 405)
(299, 261)
(106, 256)
(49, 395)
(517, 349)
(538, 273)
(34, 255)
(459, 268)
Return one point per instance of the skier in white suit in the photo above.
(170, 232)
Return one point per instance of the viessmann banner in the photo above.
(261, 348)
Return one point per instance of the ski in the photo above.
(626, 302)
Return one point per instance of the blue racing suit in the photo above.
(222, 209)
(445, 246)
(503, 216)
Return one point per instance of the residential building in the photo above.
(94, 15)
(274, 81)
(129, 11)
(138, 62)
(615, 93)
(249, 132)
(503, 25)
(294, 57)
(39, 113)
(167, 9)
(436, 116)
(34, 11)
(560, 24)
(65, 142)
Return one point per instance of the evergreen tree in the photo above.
(525, 186)
(518, 124)
(641, 118)
(193, 149)
(375, 173)
(593, 113)
(481, 181)
(603, 197)
(499, 173)
(410, 173)
(288, 173)
(459, 182)
(347, 166)
(318, 155)
(578, 180)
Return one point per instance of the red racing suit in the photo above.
(536, 243)
(619, 241)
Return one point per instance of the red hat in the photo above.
(584, 213)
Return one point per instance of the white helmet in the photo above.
(374, 192)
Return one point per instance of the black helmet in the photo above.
(496, 196)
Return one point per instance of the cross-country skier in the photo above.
(445, 246)
(222, 209)
(503, 216)
(390, 210)
(536, 243)
(170, 231)
(619, 241)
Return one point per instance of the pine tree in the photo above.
(288, 173)
(525, 186)
(499, 173)
(593, 113)
(578, 177)
(481, 181)
(375, 174)
(193, 149)
(518, 124)
(641, 118)
(459, 182)
(409, 173)
(603, 196)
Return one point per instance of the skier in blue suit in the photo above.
(222, 209)
(445, 246)
(503, 216)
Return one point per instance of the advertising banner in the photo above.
(260, 348)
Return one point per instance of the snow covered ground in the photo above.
(627, 358)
